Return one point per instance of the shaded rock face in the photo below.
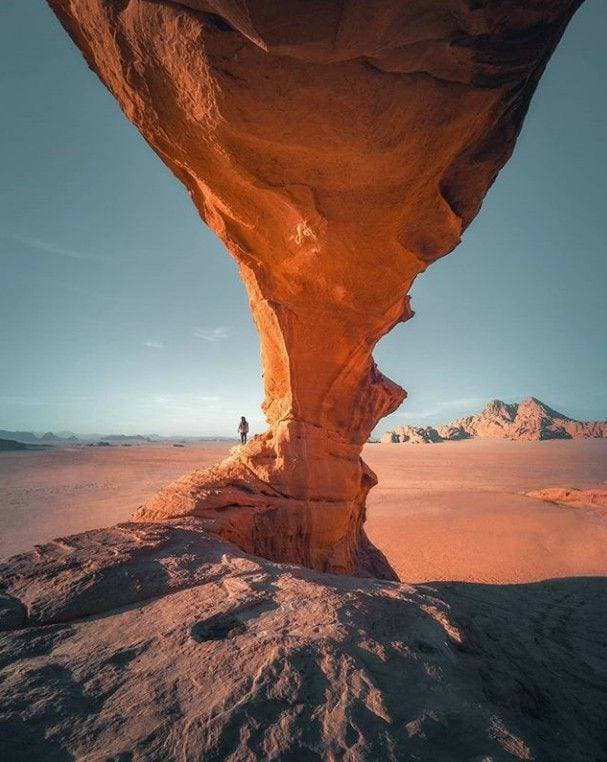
(337, 148)
(452, 431)
(161, 642)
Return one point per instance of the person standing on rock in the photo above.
(243, 429)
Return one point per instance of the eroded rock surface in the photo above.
(337, 148)
(162, 642)
(590, 497)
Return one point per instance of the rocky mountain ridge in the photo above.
(69, 438)
(529, 420)
(10, 445)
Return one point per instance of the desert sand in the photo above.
(158, 641)
(453, 511)
(47, 493)
(458, 510)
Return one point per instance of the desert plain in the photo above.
(456, 511)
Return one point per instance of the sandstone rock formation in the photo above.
(529, 420)
(159, 642)
(591, 497)
(337, 148)
(412, 434)
(452, 431)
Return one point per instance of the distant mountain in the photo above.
(28, 437)
(58, 438)
(529, 420)
(69, 438)
(10, 445)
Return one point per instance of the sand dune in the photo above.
(458, 510)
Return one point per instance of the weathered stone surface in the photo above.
(590, 497)
(161, 642)
(337, 148)
(106, 569)
(452, 431)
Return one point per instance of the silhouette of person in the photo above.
(243, 429)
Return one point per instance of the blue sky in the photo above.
(121, 311)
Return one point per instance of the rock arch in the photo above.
(337, 148)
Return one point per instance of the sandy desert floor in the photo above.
(47, 493)
(458, 510)
(160, 642)
(453, 511)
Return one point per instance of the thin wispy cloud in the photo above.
(212, 334)
(88, 292)
(153, 344)
(50, 248)
(41, 401)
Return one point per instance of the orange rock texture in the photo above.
(337, 148)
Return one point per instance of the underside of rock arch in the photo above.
(337, 148)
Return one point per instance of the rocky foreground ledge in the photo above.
(161, 642)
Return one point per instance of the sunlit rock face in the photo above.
(337, 148)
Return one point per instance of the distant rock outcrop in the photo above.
(10, 445)
(25, 437)
(49, 438)
(451, 431)
(127, 438)
(529, 420)
(413, 434)
(593, 497)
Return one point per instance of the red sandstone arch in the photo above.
(337, 148)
